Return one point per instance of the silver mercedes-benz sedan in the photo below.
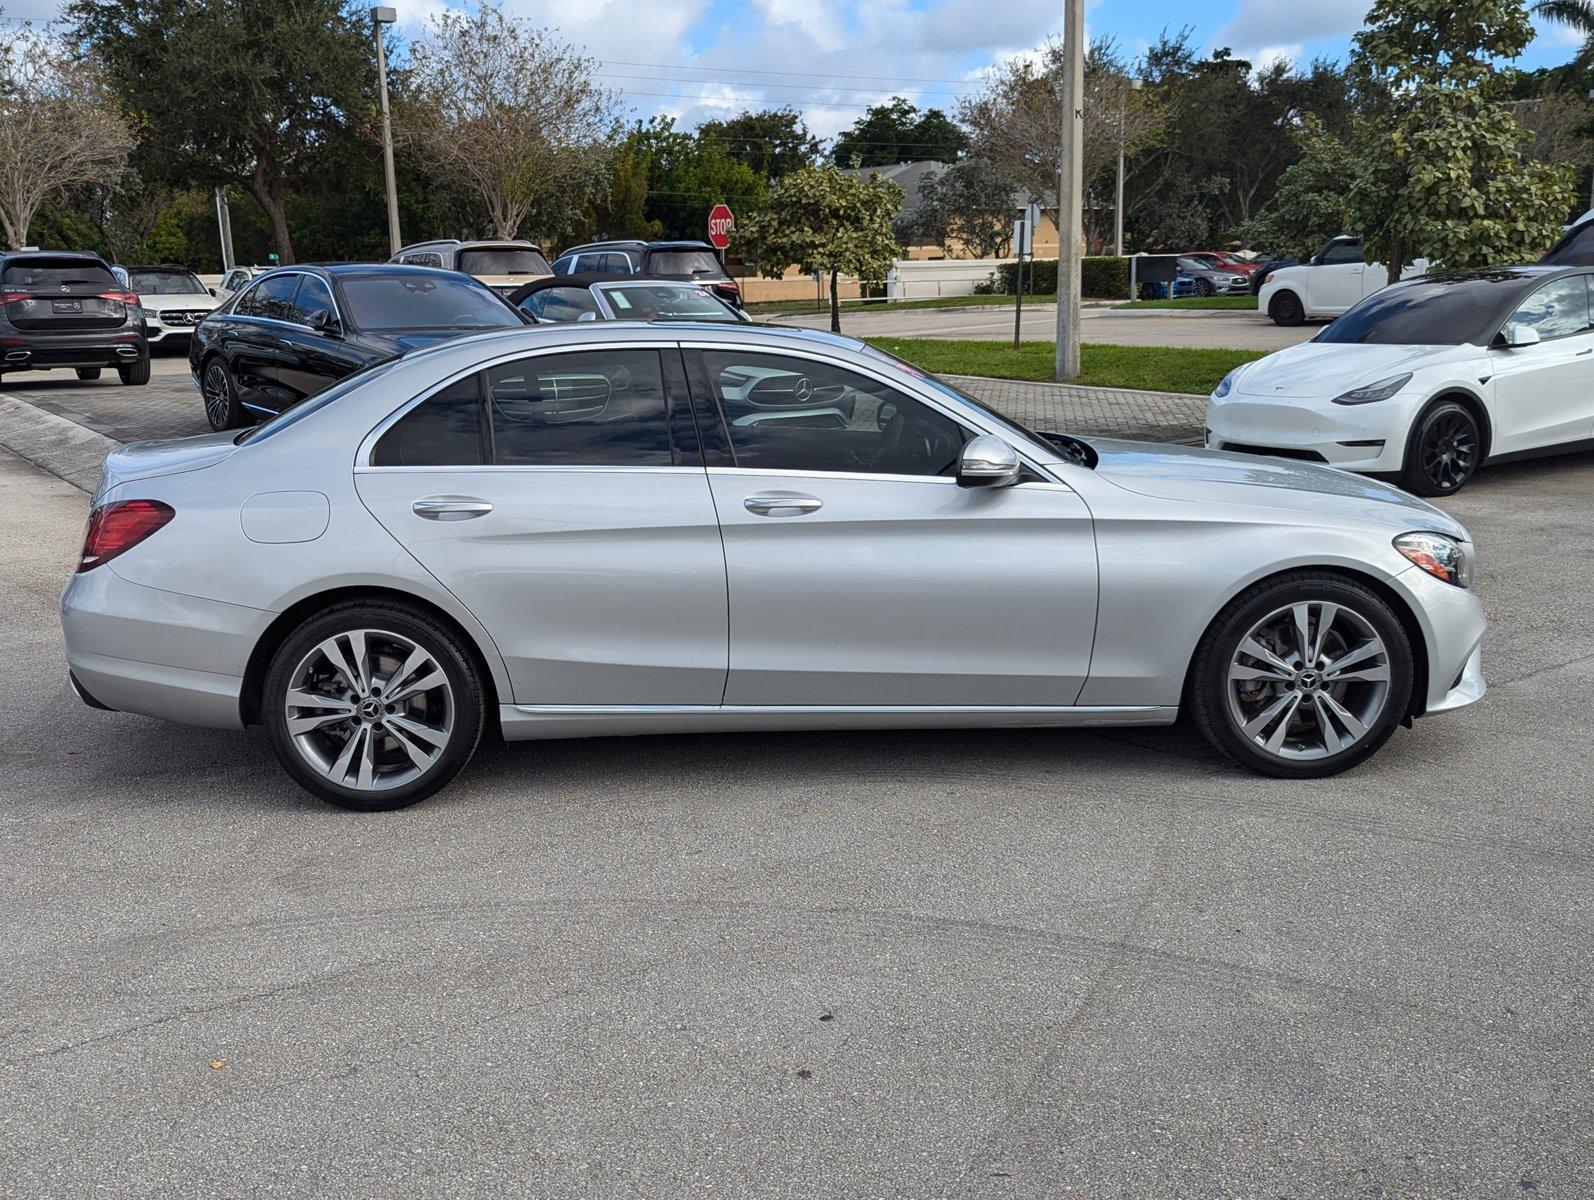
(643, 529)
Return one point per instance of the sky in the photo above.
(697, 59)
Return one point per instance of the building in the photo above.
(910, 177)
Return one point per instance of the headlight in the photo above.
(1225, 384)
(1442, 557)
(1382, 390)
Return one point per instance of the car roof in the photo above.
(638, 243)
(79, 255)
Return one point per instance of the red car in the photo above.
(1225, 261)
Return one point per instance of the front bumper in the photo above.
(1453, 626)
(1370, 438)
(57, 351)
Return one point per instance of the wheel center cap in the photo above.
(370, 710)
(1309, 680)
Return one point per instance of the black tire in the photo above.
(136, 373)
(88, 374)
(465, 682)
(1208, 692)
(1286, 309)
(220, 395)
(1443, 451)
(1203, 288)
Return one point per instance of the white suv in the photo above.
(1337, 278)
(173, 299)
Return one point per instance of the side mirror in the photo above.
(988, 461)
(212, 291)
(326, 323)
(1516, 334)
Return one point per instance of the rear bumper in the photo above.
(54, 351)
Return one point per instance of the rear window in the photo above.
(507, 261)
(423, 302)
(685, 262)
(57, 273)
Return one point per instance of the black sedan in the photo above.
(297, 330)
(602, 297)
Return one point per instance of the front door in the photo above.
(1544, 394)
(860, 573)
(562, 498)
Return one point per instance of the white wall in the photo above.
(920, 279)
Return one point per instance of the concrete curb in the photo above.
(63, 448)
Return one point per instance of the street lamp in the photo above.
(381, 16)
(1118, 211)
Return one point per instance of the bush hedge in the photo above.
(1103, 278)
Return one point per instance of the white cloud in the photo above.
(1261, 24)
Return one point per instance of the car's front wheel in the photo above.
(1302, 676)
(1203, 288)
(373, 705)
(222, 408)
(1445, 449)
(1286, 309)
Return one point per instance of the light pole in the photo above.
(1070, 198)
(379, 17)
(1118, 210)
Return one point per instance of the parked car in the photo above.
(503, 264)
(297, 330)
(1211, 280)
(173, 300)
(1428, 379)
(1222, 260)
(1336, 278)
(609, 528)
(604, 298)
(1266, 267)
(1576, 245)
(695, 262)
(66, 311)
(235, 280)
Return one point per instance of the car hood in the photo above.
(1210, 476)
(1323, 370)
(163, 456)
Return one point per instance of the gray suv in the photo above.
(62, 310)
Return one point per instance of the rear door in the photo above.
(54, 295)
(256, 341)
(562, 497)
(314, 355)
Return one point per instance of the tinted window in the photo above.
(415, 301)
(794, 414)
(271, 297)
(444, 430)
(662, 302)
(503, 262)
(685, 262)
(614, 264)
(1432, 311)
(424, 258)
(597, 408)
(165, 283)
(54, 274)
(1556, 310)
(561, 303)
(315, 404)
(1342, 252)
(314, 301)
(1575, 249)
(563, 266)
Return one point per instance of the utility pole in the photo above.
(1118, 209)
(1070, 196)
(224, 228)
(379, 17)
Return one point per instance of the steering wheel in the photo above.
(890, 444)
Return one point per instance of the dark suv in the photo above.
(62, 310)
(695, 262)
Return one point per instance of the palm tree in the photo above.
(1578, 14)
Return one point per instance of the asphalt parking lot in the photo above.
(896, 964)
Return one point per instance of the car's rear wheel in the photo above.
(1302, 676)
(88, 374)
(373, 705)
(222, 409)
(1285, 309)
(1203, 287)
(136, 372)
(1444, 451)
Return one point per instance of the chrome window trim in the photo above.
(554, 468)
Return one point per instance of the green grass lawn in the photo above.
(1151, 368)
(1232, 303)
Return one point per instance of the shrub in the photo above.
(1103, 278)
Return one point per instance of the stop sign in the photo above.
(720, 223)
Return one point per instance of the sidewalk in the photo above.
(1092, 411)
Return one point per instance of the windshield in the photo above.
(57, 273)
(1432, 311)
(422, 301)
(165, 283)
(508, 260)
(661, 302)
(685, 262)
(313, 405)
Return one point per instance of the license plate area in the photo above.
(65, 307)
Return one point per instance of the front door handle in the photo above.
(451, 508)
(1581, 353)
(782, 504)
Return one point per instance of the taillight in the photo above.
(120, 526)
(8, 297)
(124, 297)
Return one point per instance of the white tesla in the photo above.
(1427, 379)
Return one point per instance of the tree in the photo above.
(58, 128)
(512, 111)
(688, 175)
(897, 131)
(825, 222)
(1447, 177)
(970, 204)
(772, 142)
(1311, 204)
(248, 92)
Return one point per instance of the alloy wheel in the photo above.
(217, 401)
(1448, 451)
(369, 709)
(1309, 680)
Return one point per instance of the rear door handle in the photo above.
(1581, 353)
(451, 508)
(782, 504)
